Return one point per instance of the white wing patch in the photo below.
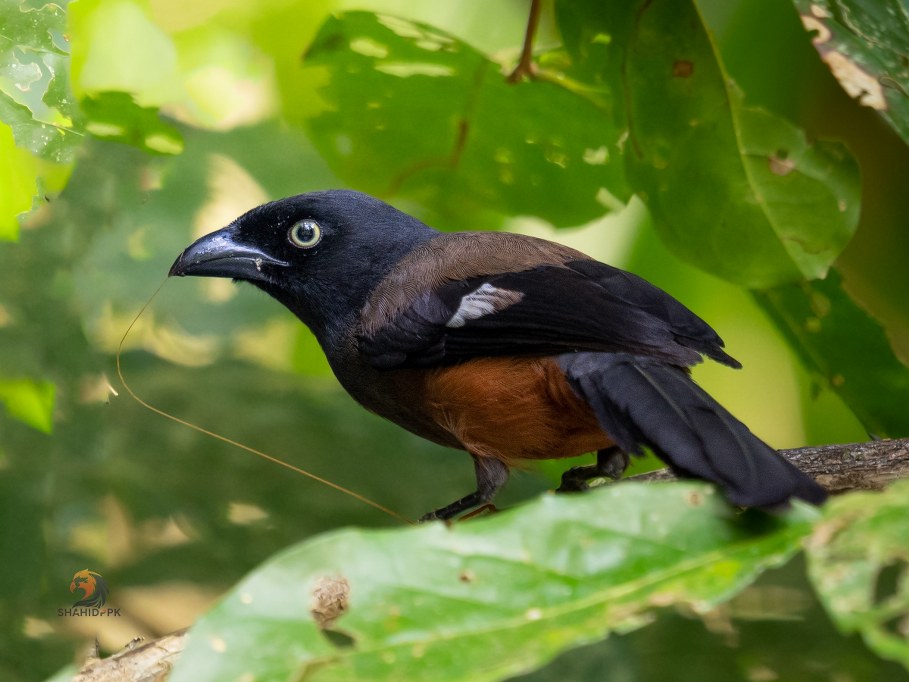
(482, 301)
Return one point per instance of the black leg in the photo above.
(611, 463)
(491, 475)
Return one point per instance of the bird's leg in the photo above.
(611, 463)
(491, 475)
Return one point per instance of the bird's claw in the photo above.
(434, 515)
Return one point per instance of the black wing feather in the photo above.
(643, 402)
(585, 305)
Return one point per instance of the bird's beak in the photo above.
(221, 254)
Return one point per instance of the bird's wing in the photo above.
(551, 308)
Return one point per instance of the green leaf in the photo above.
(47, 141)
(17, 177)
(35, 97)
(865, 44)
(411, 111)
(36, 106)
(735, 190)
(29, 401)
(847, 347)
(34, 84)
(809, 193)
(116, 117)
(858, 561)
(489, 598)
(595, 39)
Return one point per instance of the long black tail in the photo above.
(643, 401)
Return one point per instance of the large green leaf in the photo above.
(858, 561)
(838, 339)
(411, 111)
(865, 44)
(734, 189)
(36, 105)
(490, 598)
(34, 79)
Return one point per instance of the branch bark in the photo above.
(148, 661)
(839, 468)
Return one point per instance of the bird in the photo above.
(507, 346)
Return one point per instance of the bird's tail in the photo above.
(642, 401)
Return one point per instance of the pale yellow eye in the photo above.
(305, 233)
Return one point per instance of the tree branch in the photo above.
(839, 468)
(148, 661)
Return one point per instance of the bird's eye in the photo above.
(305, 233)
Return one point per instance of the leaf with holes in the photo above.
(38, 139)
(847, 346)
(489, 598)
(410, 111)
(735, 190)
(858, 559)
(865, 44)
(116, 117)
(35, 98)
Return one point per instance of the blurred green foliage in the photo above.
(478, 151)
(131, 126)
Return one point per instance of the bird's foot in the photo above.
(485, 510)
(575, 480)
(491, 475)
(611, 463)
(445, 514)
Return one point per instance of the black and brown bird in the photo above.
(509, 347)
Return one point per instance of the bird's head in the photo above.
(320, 254)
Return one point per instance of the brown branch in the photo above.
(839, 468)
(148, 661)
(525, 66)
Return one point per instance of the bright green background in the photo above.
(705, 146)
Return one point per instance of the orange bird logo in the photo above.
(94, 588)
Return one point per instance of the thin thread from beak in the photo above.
(230, 441)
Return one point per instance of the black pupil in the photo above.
(305, 232)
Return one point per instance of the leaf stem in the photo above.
(526, 67)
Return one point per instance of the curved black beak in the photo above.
(221, 254)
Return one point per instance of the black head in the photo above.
(320, 254)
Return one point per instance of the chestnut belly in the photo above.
(512, 408)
